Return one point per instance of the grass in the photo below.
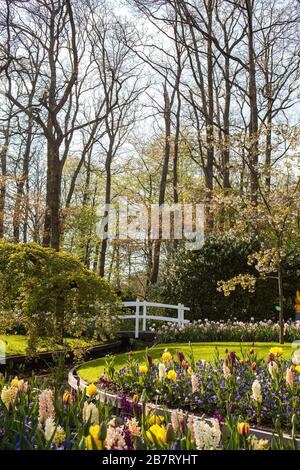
(17, 344)
(93, 369)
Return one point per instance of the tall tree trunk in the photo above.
(209, 124)
(55, 202)
(175, 160)
(3, 180)
(163, 184)
(47, 220)
(52, 216)
(253, 127)
(226, 126)
(21, 184)
(268, 151)
(26, 213)
(104, 242)
(281, 305)
(3, 157)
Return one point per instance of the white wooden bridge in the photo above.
(141, 314)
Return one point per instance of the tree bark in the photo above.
(209, 122)
(281, 305)
(163, 184)
(21, 183)
(253, 125)
(52, 217)
(103, 247)
(3, 158)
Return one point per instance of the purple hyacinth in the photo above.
(126, 405)
(150, 360)
(104, 381)
(127, 437)
(180, 356)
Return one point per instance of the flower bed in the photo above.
(265, 394)
(204, 330)
(35, 417)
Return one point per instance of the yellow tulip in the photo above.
(276, 351)
(15, 382)
(167, 356)
(155, 419)
(172, 375)
(67, 398)
(143, 369)
(135, 399)
(91, 390)
(159, 433)
(243, 429)
(92, 440)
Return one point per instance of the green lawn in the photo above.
(16, 344)
(93, 369)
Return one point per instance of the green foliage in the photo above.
(191, 277)
(52, 293)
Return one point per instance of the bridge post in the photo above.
(180, 314)
(144, 316)
(137, 318)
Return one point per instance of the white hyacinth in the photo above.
(56, 433)
(256, 391)
(296, 359)
(207, 434)
(273, 369)
(161, 371)
(90, 412)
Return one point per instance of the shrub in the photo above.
(191, 277)
(52, 293)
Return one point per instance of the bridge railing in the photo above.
(141, 314)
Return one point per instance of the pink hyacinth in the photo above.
(289, 378)
(175, 420)
(190, 425)
(46, 407)
(194, 382)
(226, 371)
(115, 438)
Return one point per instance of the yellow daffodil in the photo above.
(158, 433)
(172, 375)
(91, 390)
(143, 369)
(276, 351)
(92, 440)
(297, 369)
(243, 429)
(167, 356)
